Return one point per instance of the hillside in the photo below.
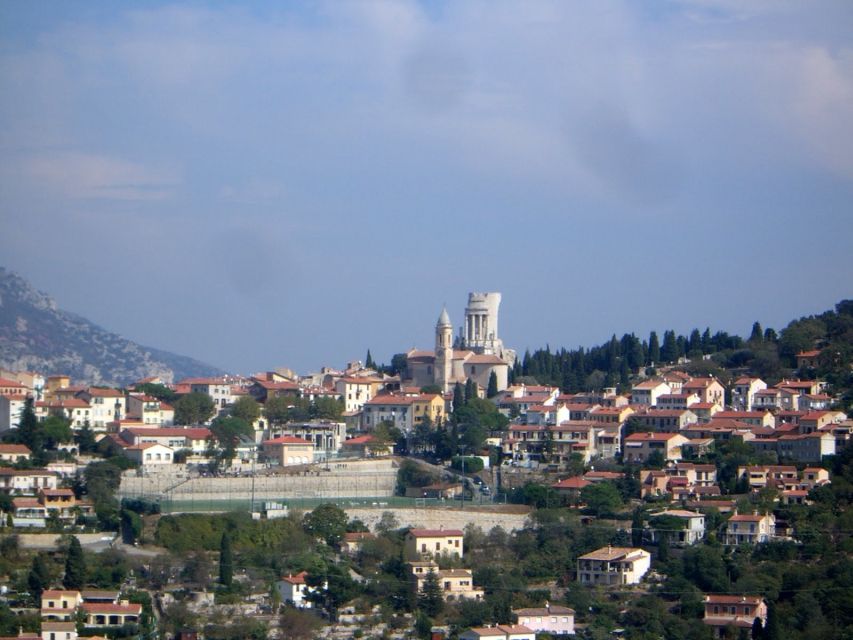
(36, 335)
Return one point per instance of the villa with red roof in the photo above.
(430, 543)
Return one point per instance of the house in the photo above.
(14, 452)
(456, 584)
(552, 619)
(59, 605)
(58, 630)
(571, 487)
(743, 392)
(366, 447)
(438, 490)
(777, 476)
(810, 447)
(107, 405)
(149, 410)
(294, 590)
(11, 407)
(28, 513)
(288, 450)
(665, 420)
(610, 566)
(196, 439)
(755, 418)
(328, 437)
(218, 389)
(429, 543)
(750, 528)
(814, 477)
(682, 400)
(75, 410)
(149, 453)
(738, 611)
(692, 528)
(639, 446)
(357, 390)
(111, 614)
(708, 390)
(499, 632)
(392, 408)
(26, 481)
(648, 392)
(352, 541)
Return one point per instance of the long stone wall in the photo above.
(371, 478)
(436, 518)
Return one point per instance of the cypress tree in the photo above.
(757, 334)
(75, 566)
(493, 385)
(637, 528)
(654, 349)
(226, 561)
(38, 578)
(458, 397)
(470, 390)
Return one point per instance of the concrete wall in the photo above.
(51, 540)
(435, 518)
(352, 479)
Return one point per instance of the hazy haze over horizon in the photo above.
(265, 185)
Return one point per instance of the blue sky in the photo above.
(289, 184)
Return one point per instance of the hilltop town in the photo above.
(694, 487)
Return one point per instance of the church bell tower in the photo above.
(443, 351)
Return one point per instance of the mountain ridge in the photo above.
(35, 334)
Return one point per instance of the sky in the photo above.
(269, 184)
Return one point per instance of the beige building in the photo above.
(611, 566)
(356, 391)
(288, 450)
(430, 543)
(107, 405)
(14, 452)
(737, 611)
(639, 446)
(750, 528)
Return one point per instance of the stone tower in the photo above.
(480, 331)
(443, 351)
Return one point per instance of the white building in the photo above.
(610, 566)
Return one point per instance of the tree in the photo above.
(602, 498)
(194, 408)
(227, 432)
(757, 334)
(637, 528)
(654, 349)
(277, 409)
(470, 390)
(56, 431)
(159, 391)
(75, 566)
(431, 598)
(327, 522)
(85, 439)
(226, 561)
(368, 361)
(458, 397)
(38, 579)
(492, 391)
(298, 625)
(247, 409)
(325, 408)
(29, 430)
(669, 350)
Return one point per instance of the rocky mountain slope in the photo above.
(35, 335)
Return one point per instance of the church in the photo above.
(474, 354)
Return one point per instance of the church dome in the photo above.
(443, 319)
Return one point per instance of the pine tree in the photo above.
(493, 385)
(431, 599)
(75, 566)
(226, 561)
